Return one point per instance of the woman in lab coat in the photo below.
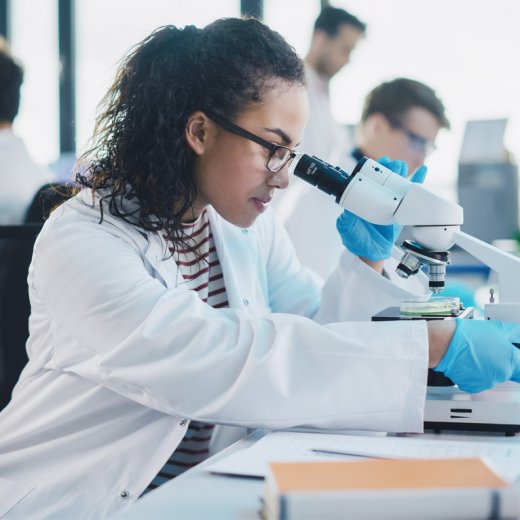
(124, 353)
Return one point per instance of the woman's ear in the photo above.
(199, 130)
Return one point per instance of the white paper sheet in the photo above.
(504, 455)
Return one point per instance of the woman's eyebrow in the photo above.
(280, 133)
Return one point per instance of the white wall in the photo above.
(35, 43)
(106, 30)
(467, 50)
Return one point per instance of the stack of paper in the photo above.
(292, 447)
(388, 488)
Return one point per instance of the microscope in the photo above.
(380, 196)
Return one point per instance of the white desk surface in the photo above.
(198, 494)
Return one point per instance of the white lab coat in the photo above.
(323, 136)
(20, 178)
(122, 355)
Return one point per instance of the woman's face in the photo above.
(230, 170)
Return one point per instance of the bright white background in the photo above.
(467, 50)
(34, 41)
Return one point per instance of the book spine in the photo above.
(453, 504)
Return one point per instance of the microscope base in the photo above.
(496, 410)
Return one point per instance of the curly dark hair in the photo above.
(139, 149)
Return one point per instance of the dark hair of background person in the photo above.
(394, 98)
(332, 18)
(139, 148)
(11, 79)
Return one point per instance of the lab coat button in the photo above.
(245, 231)
(183, 422)
(124, 494)
(245, 301)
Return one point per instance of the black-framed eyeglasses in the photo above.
(421, 144)
(279, 156)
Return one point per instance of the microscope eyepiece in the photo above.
(332, 180)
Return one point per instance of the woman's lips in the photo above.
(261, 204)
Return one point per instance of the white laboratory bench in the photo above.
(198, 494)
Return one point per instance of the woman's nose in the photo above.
(280, 179)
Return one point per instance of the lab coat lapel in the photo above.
(232, 243)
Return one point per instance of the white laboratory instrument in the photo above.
(376, 194)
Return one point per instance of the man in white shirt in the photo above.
(20, 176)
(336, 34)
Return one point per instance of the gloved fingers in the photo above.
(403, 172)
(482, 354)
(348, 224)
(353, 225)
(364, 239)
(399, 167)
(420, 174)
(345, 219)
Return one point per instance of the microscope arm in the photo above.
(506, 265)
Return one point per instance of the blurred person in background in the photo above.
(20, 176)
(335, 36)
(401, 119)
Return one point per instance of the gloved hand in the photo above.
(481, 354)
(374, 241)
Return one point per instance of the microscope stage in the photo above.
(498, 410)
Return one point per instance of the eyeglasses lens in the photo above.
(279, 158)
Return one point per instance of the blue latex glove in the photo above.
(481, 354)
(374, 241)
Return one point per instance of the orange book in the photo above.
(389, 488)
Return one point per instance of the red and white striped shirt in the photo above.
(199, 265)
